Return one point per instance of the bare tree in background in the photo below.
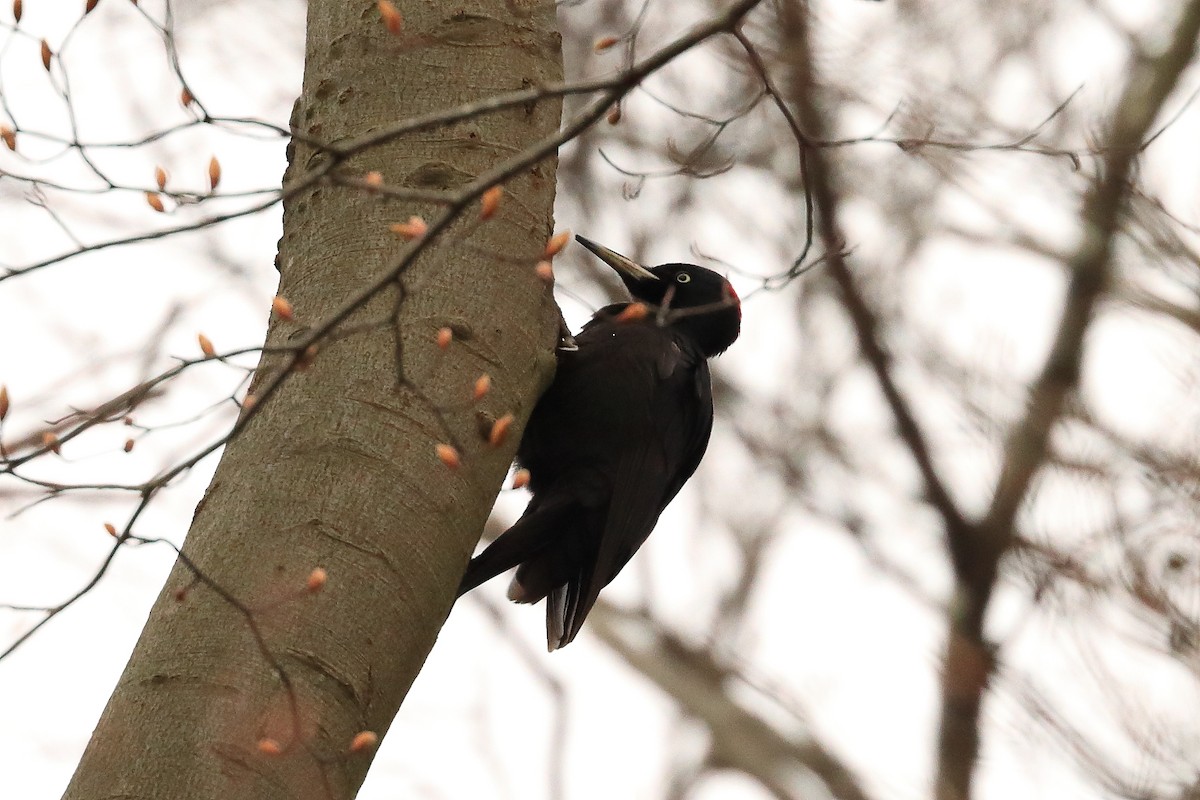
(945, 541)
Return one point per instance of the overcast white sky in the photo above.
(825, 621)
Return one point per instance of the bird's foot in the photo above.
(566, 341)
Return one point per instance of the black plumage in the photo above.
(621, 428)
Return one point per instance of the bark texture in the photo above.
(337, 469)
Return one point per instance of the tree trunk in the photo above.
(337, 469)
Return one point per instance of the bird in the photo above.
(622, 426)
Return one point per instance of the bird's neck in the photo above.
(713, 331)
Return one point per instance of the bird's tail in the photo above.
(564, 613)
(563, 575)
(526, 538)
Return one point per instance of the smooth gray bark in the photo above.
(337, 469)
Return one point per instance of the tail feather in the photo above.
(571, 614)
(556, 614)
(566, 608)
(555, 546)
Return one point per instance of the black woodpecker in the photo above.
(610, 443)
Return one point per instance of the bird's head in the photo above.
(695, 300)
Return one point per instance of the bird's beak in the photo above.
(626, 266)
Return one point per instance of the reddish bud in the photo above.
(214, 173)
(444, 337)
(448, 456)
(545, 271)
(160, 177)
(283, 309)
(112, 529)
(363, 740)
(482, 385)
(46, 54)
(373, 179)
(51, 442)
(18, 10)
(9, 136)
(490, 202)
(614, 115)
(603, 43)
(500, 430)
(391, 17)
(269, 747)
(316, 580)
(307, 357)
(248, 403)
(415, 228)
(3, 402)
(155, 201)
(206, 345)
(90, 6)
(186, 98)
(557, 242)
(128, 445)
(520, 479)
(633, 312)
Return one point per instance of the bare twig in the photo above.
(741, 740)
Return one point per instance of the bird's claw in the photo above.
(566, 342)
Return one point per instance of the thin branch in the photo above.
(741, 740)
(1149, 85)
(976, 558)
(866, 324)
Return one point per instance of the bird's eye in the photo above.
(683, 277)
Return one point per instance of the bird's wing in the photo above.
(675, 418)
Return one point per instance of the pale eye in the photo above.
(683, 277)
